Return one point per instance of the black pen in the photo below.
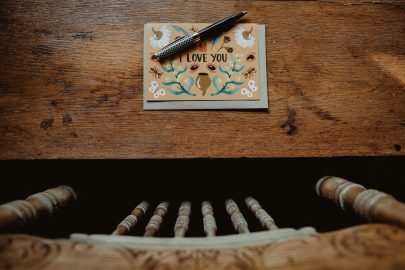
(188, 41)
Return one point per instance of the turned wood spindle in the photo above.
(21, 212)
(156, 220)
(265, 219)
(237, 218)
(368, 203)
(210, 226)
(127, 225)
(183, 219)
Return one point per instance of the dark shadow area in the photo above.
(108, 190)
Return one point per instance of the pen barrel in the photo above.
(220, 26)
(177, 46)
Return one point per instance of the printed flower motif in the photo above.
(160, 37)
(246, 92)
(160, 92)
(226, 48)
(252, 86)
(244, 38)
(153, 86)
(154, 89)
(249, 92)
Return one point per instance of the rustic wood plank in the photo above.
(373, 246)
(71, 82)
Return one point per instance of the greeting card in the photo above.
(226, 71)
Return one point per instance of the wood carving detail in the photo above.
(17, 252)
(374, 246)
(370, 243)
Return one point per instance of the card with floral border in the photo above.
(227, 71)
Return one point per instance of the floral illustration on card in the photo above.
(244, 37)
(223, 67)
(225, 40)
(230, 85)
(154, 88)
(160, 37)
(175, 82)
(250, 90)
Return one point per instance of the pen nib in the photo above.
(244, 12)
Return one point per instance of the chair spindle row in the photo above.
(183, 219)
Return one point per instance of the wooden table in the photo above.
(71, 82)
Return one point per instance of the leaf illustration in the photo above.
(231, 92)
(191, 83)
(234, 65)
(214, 40)
(181, 71)
(179, 29)
(224, 71)
(169, 83)
(225, 86)
(238, 70)
(174, 92)
(170, 69)
(236, 82)
(214, 82)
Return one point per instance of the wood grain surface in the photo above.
(71, 82)
(370, 246)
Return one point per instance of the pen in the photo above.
(188, 41)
